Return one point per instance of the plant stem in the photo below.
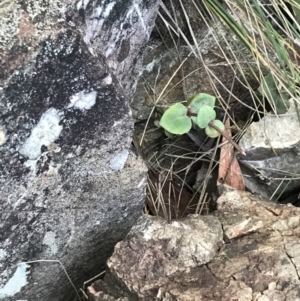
(224, 134)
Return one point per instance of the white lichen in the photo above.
(107, 80)
(83, 100)
(16, 282)
(49, 240)
(3, 137)
(44, 133)
(119, 160)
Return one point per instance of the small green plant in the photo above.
(178, 119)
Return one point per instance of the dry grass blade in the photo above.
(257, 26)
(168, 197)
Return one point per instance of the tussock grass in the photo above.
(270, 32)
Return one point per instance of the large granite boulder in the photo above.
(70, 187)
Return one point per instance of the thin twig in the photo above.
(224, 134)
(63, 268)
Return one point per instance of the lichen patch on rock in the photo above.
(44, 133)
(2, 135)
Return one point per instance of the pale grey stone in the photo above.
(272, 147)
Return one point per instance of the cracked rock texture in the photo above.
(259, 258)
(70, 187)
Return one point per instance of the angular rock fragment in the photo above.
(272, 146)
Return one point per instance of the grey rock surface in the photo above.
(70, 187)
(258, 261)
(272, 146)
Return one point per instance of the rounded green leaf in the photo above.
(175, 120)
(211, 132)
(205, 115)
(198, 100)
